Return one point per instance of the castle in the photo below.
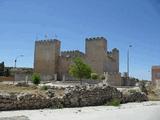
(50, 61)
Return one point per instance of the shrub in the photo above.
(102, 77)
(94, 76)
(44, 87)
(114, 102)
(132, 91)
(36, 78)
(57, 105)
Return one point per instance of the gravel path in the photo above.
(131, 111)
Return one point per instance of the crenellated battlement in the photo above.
(48, 41)
(115, 50)
(72, 54)
(95, 38)
(114, 54)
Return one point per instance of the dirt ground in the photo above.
(16, 89)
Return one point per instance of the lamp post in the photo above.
(15, 61)
(128, 53)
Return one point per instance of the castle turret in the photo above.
(115, 56)
(46, 56)
(96, 52)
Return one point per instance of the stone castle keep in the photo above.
(50, 61)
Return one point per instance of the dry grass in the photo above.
(153, 98)
(17, 89)
(153, 94)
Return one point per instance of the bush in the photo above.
(114, 102)
(102, 77)
(94, 76)
(44, 87)
(59, 106)
(132, 91)
(36, 78)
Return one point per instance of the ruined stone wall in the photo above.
(46, 57)
(58, 97)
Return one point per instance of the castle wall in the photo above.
(111, 63)
(65, 60)
(64, 64)
(46, 57)
(115, 55)
(113, 78)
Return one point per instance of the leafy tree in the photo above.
(79, 69)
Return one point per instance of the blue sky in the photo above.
(122, 22)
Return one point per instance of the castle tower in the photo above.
(46, 57)
(115, 55)
(96, 53)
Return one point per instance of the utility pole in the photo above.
(15, 61)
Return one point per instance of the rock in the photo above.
(59, 97)
(21, 84)
(50, 93)
(90, 95)
(134, 97)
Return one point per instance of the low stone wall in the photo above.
(84, 81)
(134, 97)
(23, 101)
(57, 97)
(90, 96)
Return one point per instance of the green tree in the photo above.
(2, 69)
(80, 70)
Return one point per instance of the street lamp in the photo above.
(128, 60)
(15, 61)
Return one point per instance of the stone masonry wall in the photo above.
(57, 97)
